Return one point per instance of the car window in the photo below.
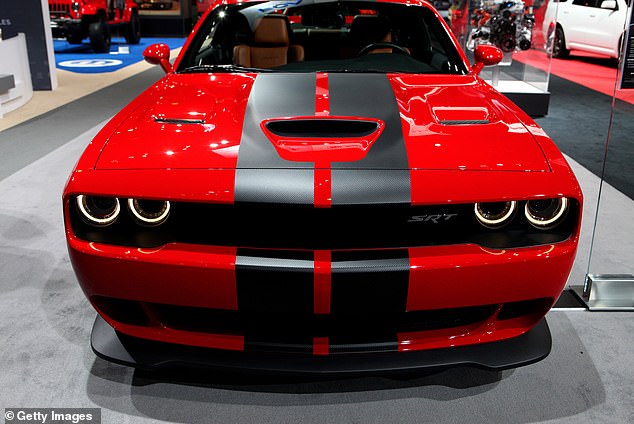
(586, 3)
(317, 35)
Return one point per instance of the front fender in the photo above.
(89, 9)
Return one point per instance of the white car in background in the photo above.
(594, 26)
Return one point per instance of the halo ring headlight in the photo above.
(149, 212)
(98, 210)
(546, 213)
(494, 215)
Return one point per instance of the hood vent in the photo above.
(465, 122)
(179, 121)
(322, 128)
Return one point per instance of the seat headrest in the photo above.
(369, 28)
(272, 30)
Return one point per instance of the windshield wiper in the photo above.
(221, 68)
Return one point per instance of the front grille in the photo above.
(59, 8)
(283, 226)
(294, 333)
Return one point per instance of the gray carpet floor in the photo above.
(46, 361)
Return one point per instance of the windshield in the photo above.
(322, 36)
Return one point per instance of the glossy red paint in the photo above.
(187, 275)
(320, 346)
(431, 109)
(323, 185)
(491, 330)
(323, 172)
(197, 185)
(171, 335)
(323, 284)
(322, 95)
(158, 54)
(203, 5)
(486, 276)
(486, 55)
(184, 122)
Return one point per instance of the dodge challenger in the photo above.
(322, 186)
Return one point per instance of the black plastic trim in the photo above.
(465, 122)
(526, 349)
(322, 128)
(341, 227)
(179, 121)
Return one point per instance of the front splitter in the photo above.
(528, 348)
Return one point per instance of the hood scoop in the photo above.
(322, 128)
(322, 139)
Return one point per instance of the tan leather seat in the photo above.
(270, 46)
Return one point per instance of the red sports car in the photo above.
(322, 186)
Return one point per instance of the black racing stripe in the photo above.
(261, 174)
(278, 186)
(369, 305)
(383, 175)
(370, 186)
(275, 299)
(370, 96)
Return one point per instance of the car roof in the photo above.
(309, 2)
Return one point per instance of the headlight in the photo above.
(76, 6)
(149, 212)
(546, 213)
(495, 215)
(98, 210)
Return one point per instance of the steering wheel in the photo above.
(383, 45)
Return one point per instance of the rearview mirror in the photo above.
(609, 4)
(159, 54)
(486, 55)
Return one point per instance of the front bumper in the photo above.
(326, 304)
(526, 349)
(65, 27)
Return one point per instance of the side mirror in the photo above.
(486, 55)
(159, 54)
(609, 4)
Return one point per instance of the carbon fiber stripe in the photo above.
(261, 174)
(367, 180)
(370, 96)
(276, 300)
(369, 305)
(281, 186)
(275, 296)
(370, 186)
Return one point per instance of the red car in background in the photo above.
(156, 4)
(96, 19)
(322, 186)
(203, 5)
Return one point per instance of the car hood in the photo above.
(336, 120)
